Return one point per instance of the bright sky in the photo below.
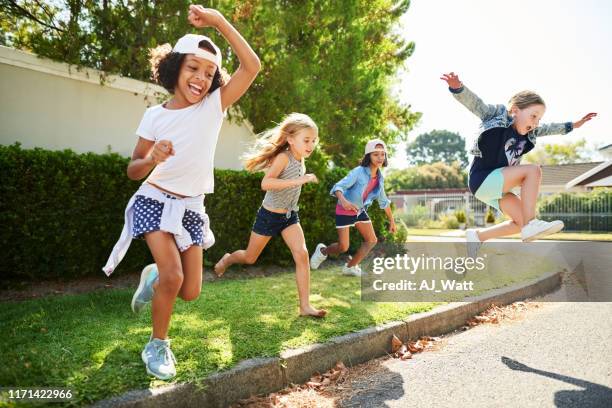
(558, 48)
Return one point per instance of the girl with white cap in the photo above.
(176, 149)
(355, 193)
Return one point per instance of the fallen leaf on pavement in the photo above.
(396, 343)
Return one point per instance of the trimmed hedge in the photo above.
(62, 213)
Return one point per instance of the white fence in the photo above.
(578, 212)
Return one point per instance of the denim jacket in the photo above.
(493, 116)
(354, 184)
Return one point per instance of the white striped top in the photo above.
(287, 198)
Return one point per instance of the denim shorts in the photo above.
(147, 218)
(271, 224)
(344, 221)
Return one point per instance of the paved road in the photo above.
(559, 355)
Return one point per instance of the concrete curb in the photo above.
(266, 375)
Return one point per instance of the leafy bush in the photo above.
(490, 217)
(62, 213)
(460, 216)
(415, 215)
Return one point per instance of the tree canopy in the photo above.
(427, 176)
(562, 153)
(437, 146)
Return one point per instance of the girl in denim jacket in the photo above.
(355, 193)
(508, 134)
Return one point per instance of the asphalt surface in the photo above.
(556, 355)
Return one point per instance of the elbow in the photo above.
(256, 64)
(264, 185)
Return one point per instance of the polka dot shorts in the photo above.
(147, 217)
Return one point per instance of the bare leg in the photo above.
(257, 243)
(168, 260)
(294, 238)
(528, 177)
(191, 259)
(369, 241)
(512, 206)
(341, 246)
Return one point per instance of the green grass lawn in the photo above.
(92, 342)
(569, 236)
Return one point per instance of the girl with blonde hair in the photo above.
(280, 152)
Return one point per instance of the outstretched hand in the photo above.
(584, 119)
(452, 80)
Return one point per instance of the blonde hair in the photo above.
(525, 99)
(274, 141)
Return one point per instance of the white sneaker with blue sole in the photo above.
(159, 359)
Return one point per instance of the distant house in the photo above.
(606, 151)
(558, 178)
(599, 176)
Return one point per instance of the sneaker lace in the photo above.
(164, 353)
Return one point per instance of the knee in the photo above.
(535, 171)
(343, 247)
(190, 295)
(301, 256)
(171, 278)
(371, 242)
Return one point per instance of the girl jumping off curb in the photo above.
(176, 145)
(508, 134)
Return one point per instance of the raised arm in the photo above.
(469, 99)
(562, 128)
(249, 62)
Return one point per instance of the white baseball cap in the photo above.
(371, 146)
(190, 44)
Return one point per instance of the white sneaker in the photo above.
(473, 243)
(317, 257)
(159, 359)
(538, 229)
(351, 270)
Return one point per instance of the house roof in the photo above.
(599, 172)
(604, 182)
(605, 147)
(561, 174)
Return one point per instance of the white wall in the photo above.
(56, 106)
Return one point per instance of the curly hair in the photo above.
(166, 66)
